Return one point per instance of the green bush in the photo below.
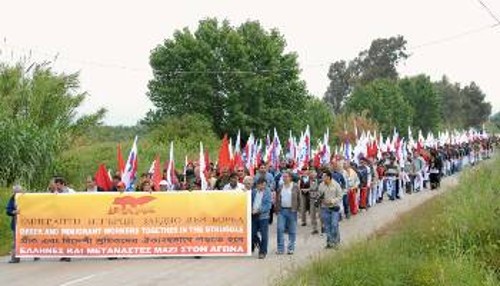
(38, 121)
(451, 240)
(5, 232)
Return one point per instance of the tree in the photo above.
(462, 107)
(420, 93)
(38, 120)
(384, 102)
(339, 87)
(495, 119)
(379, 61)
(237, 77)
(452, 113)
(188, 131)
(318, 116)
(476, 110)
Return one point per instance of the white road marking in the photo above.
(78, 280)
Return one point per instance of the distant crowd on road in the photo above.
(319, 196)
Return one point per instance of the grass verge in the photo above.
(451, 240)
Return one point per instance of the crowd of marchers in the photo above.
(319, 196)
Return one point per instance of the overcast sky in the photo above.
(109, 42)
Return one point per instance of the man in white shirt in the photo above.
(61, 186)
(287, 206)
(233, 184)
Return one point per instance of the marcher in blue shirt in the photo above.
(270, 183)
(12, 211)
(261, 207)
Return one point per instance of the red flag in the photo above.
(224, 158)
(120, 162)
(316, 161)
(102, 178)
(238, 161)
(157, 173)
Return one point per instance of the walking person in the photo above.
(61, 187)
(352, 182)
(305, 188)
(315, 210)
(331, 201)
(392, 179)
(270, 183)
(287, 205)
(261, 206)
(13, 212)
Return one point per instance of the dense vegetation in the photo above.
(241, 78)
(452, 240)
(5, 232)
(38, 121)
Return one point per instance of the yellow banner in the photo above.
(214, 223)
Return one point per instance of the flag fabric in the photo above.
(237, 144)
(248, 157)
(130, 171)
(202, 167)
(119, 160)
(326, 154)
(231, 152)
(151, 168)
(237, 156)
(102, 178)
(172, 179)
(185, 168)
(291, 148)
(276, 151)
(347, 147)
(267, 154)
(304, 150)
(157, 174)
(224, 156)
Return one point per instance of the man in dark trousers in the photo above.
(12, 211)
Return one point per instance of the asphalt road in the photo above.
(208, 271)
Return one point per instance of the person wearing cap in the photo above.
(13, 212)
